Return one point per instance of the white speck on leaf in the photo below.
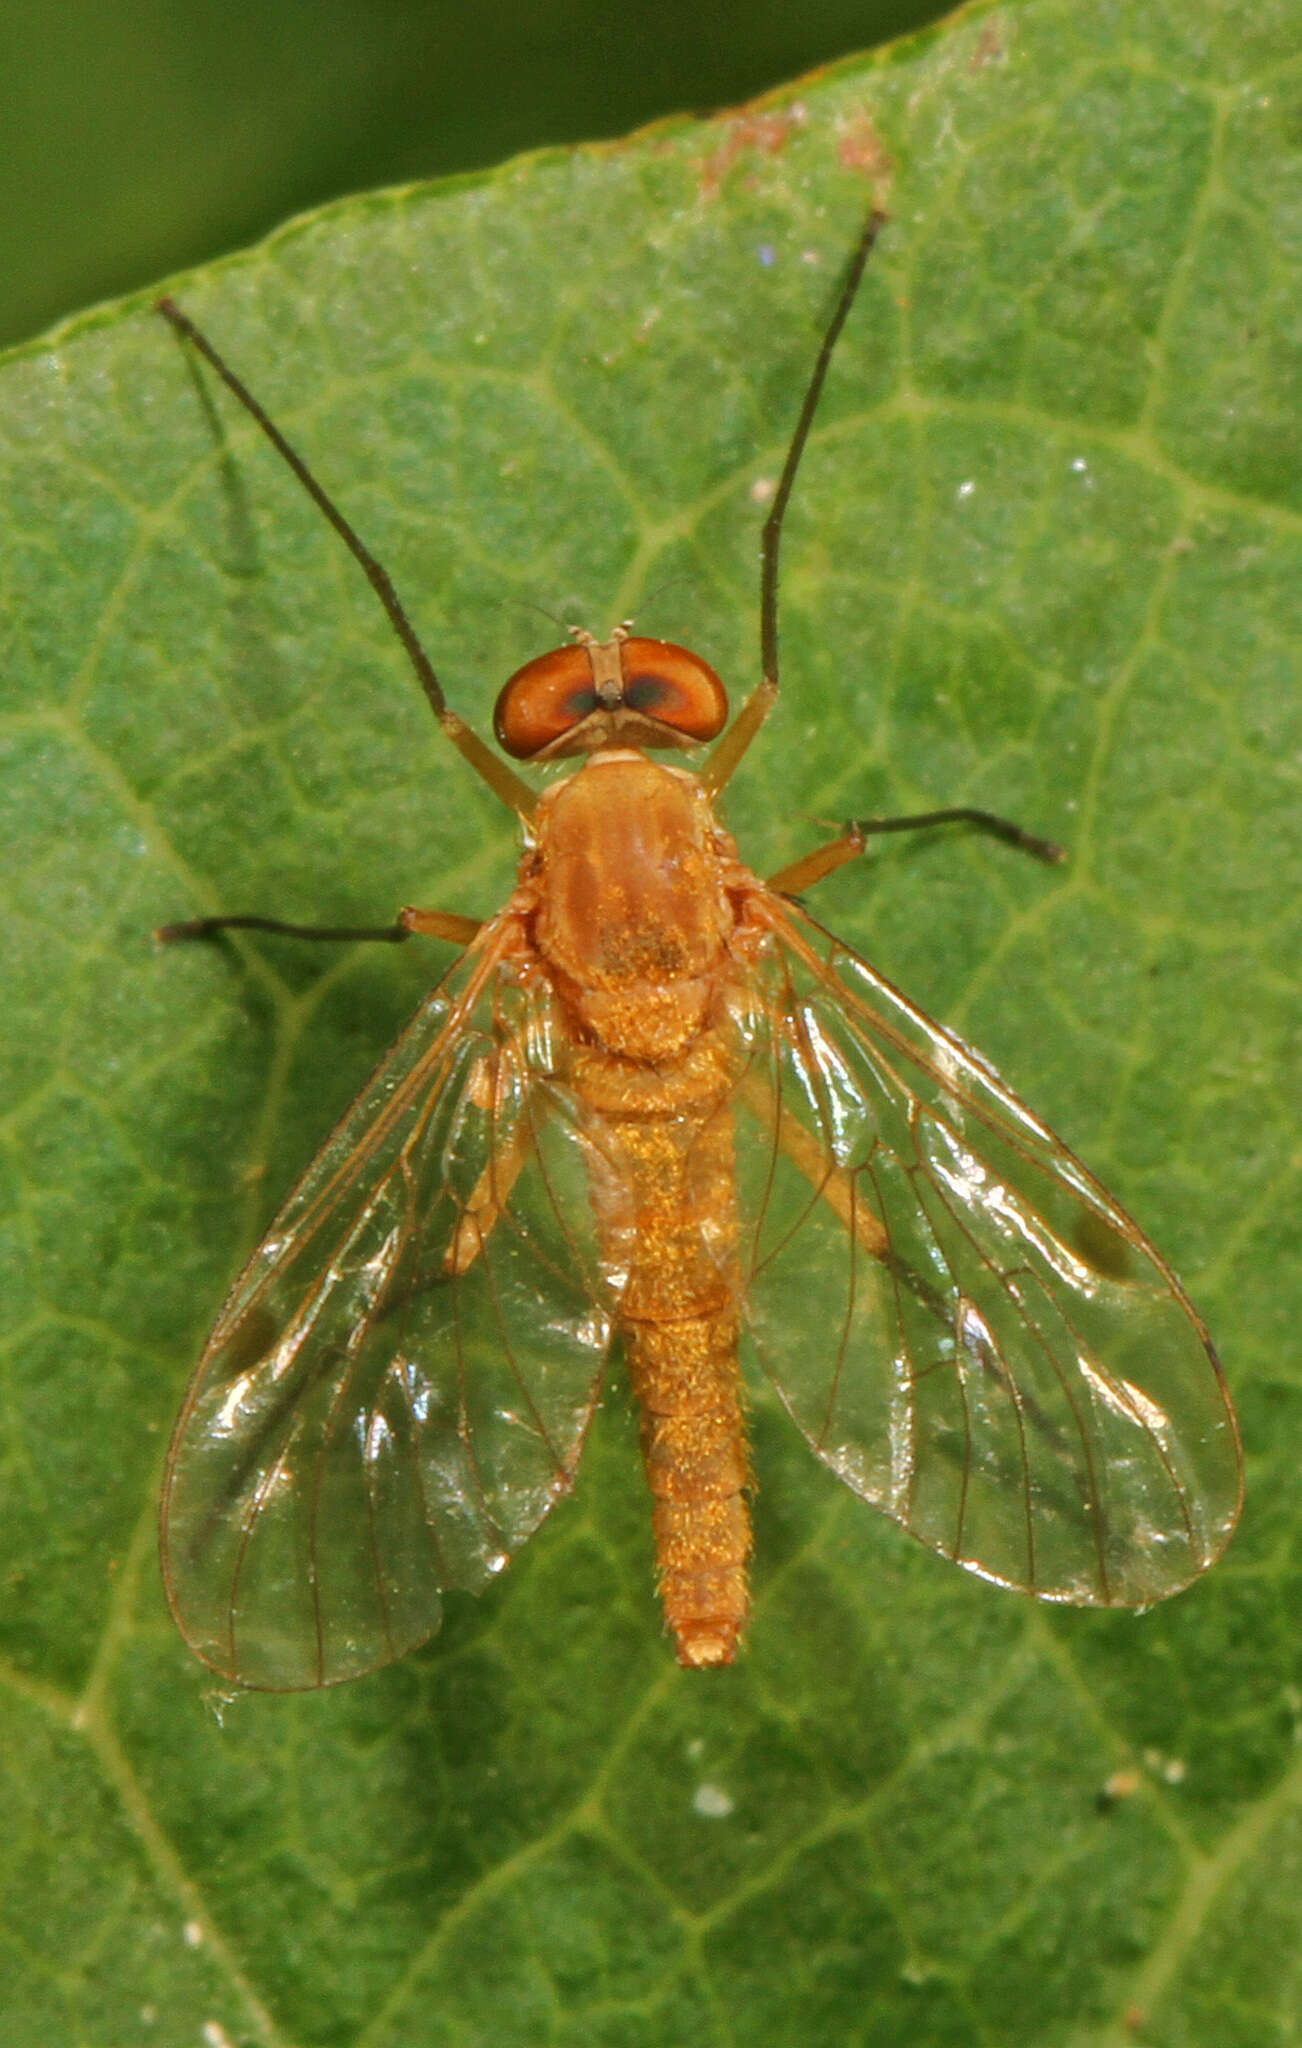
(712, 1802)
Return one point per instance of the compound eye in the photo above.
(678, 688)
(543, 700)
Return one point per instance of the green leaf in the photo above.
(1045, 556)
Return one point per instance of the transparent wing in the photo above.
(398, 1387)
(962, 1322)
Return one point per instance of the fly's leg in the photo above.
(488, 1084)
(488, 1198)
(503, 781)
(841, 1191)
(439, 924)
(722, 763)
(213, 927)
(830, 1183)
(851, 839)
(483, 1209)
(429, 924)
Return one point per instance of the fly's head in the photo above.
(622, 692)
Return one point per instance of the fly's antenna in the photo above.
(756, 709)
(500, 779)
(674, 582)
(529, 604)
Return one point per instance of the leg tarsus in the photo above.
(501, 779)
(730, 749)
(965, 814)
(428, 924)
(213, 927)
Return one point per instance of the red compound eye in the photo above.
(549, 696)
(543, 700)
(677, 687)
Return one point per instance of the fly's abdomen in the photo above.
(664, 1195)
(684, 1375)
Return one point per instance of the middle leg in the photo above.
(850, 841)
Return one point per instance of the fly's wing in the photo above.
(398, 1387)
(964, 1325)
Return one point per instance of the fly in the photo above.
(655, 1102)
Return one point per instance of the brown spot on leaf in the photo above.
(991, 47)
(860, 148)
(746, 135)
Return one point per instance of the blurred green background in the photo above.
(138, 137)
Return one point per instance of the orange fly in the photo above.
(655, 1101)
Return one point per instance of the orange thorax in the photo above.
(634, 919)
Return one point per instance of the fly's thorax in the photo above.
(633, 916)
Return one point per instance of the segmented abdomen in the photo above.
(684, 1375)
(663, 1190)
